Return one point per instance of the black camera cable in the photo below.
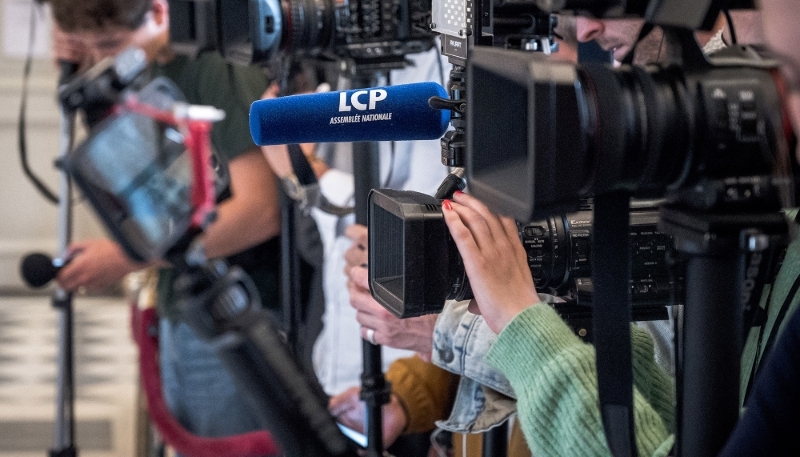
(731, 28)
(452, 182)
(22, 142)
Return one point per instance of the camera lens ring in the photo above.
(608, 137)
(309, 25)
(670, 133)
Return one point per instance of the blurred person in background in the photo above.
(198, 389)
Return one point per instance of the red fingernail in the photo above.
(446, 204)
(458, 192)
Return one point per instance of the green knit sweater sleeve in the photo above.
(554, 376)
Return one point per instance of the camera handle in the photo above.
(64, 428)
(710, 344)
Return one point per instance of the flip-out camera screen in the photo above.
(138, 177)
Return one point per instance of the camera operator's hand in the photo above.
(350, 411)
(356, 256)
(414, 334)
(494, 259)
(95, 264)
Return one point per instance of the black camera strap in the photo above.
(611, 316)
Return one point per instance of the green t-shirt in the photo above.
(209, 80)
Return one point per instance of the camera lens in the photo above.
(638, 124)
(415, 266)
(546, 245)
(460, 288)
(375, 32)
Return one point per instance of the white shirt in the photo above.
(415, 165)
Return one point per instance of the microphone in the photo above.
(392, 113)
(38, 269)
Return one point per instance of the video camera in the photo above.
(682, 132)
(135, 170)
(418, 266)
(374, 33)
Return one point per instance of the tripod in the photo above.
(64, 433)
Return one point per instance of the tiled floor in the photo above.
(105, 376)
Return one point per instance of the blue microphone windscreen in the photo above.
(393, 113)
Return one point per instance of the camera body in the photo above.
(414, 265)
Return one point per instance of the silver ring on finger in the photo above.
(371, 336)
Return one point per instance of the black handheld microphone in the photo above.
(38, 269)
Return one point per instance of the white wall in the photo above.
(27, 221)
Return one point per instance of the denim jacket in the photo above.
(485, 399)
(460, 343)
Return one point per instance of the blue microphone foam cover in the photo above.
(393, 113)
